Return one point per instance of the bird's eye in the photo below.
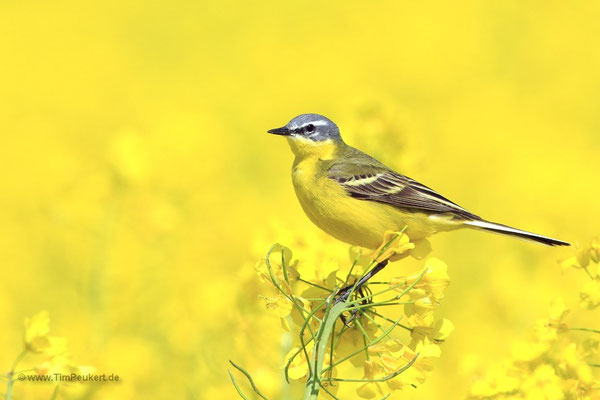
(310, 128)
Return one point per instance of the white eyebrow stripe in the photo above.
(315, 123)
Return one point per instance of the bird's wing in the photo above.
(365, 178)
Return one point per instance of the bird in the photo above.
(357, 199)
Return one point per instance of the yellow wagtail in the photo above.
(356, 199)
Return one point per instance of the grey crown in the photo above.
(314, 127)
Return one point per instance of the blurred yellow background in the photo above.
(139, 185)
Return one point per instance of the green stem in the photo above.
(589, 274)
(10, 374)
(385, 378)
(585, 330)
(55, 393)
(316, 363)
(385, 318)
(314, 285)
(249, 377)
(404, 291)
(374, 342)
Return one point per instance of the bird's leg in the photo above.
(343, 293)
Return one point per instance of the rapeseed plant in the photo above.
(557, 362)
(51, 357)
(390, 332)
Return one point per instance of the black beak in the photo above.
(283, 131)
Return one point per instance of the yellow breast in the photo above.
(328, 206)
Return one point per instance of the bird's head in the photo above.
(309, 132)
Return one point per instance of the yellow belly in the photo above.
(357, 222)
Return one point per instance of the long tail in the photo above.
(507, 230)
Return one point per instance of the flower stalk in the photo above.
(311, 303)
(332, 314)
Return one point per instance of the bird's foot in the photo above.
(361, 295)
(344, 293)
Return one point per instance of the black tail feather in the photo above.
(507, 230)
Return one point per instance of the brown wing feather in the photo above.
(400, 191)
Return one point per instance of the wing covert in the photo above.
(386, 186)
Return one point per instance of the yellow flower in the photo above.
(526, 351)
(426, 349)
(558, 310)
(543, 384)
(436, 279)
(433, 283)
(421, 367)
(595, 250)
(390, 345)
(56, 359)
(420, 311)
(280, 256)
(570, 262)
(281, 306)
(390, 357)
(393, 356)
(547, 330)
(369, 390)
(590, 295)
(299, 367)
(384, 358)
(584, 256)
(61, 364)
(440, 330)
(550, 367)
(498, 380)
(421, 250)
(36, 332)
(394, 244)
(572, 364)
(591, 347)
(323, 272)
